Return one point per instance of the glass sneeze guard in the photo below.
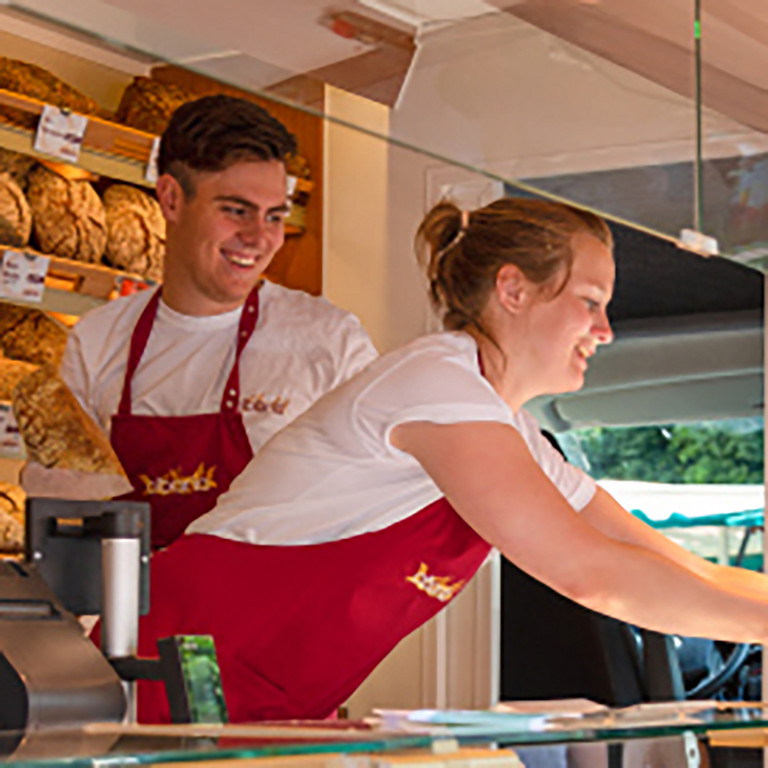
(107, 744)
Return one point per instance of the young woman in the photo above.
(369, 513)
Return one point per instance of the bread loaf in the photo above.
(31, 80)
(29, 335)
(11, 373)
(15, 214)
(12, 500)
(148, 104)
(135, 231)
(68, 216)
(57, 432)
(16, 165)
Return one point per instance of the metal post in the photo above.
(120, 565)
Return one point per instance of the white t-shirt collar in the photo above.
(197, 322)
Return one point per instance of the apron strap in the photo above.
(139, 339)
(230, 398)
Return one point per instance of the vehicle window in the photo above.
(699, 482)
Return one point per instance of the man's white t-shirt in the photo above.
(333, 472)
(302, 347)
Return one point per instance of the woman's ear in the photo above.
(170, 196)
(512, 287)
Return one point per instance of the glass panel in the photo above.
(100, 745)
(734, 52)
(589, 102)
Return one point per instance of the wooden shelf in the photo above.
(74, 287)
(108, 149)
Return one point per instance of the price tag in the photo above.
(10, 438)
(23, 276)
(60, 133)
(151, 173)
(127, 285)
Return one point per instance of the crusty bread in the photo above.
(11, 373)
(148, 104)
(57, 432)
(135, 231)
(16, 165)
(31, 80)
(15, 215)
(68, 216)
(30, 335)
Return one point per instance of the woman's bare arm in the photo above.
(490, 477)
(608, 516)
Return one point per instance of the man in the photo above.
(191, 379)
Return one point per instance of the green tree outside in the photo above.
(716, 452)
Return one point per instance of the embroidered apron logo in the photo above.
(260, 404)
(173, 482)
(438, 587)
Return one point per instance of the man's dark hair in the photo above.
(214, 132)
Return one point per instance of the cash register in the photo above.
(81, 559)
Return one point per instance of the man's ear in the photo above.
(170, 196)
(512, 287)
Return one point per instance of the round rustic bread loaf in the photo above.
(68, 216)
(16, 165)
(31, 80)
(148, 104)
(135, 231)
(15, 215)
(30, 335)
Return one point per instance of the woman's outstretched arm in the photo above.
(490, 477)
(608, 516)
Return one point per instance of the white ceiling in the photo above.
(259, 43)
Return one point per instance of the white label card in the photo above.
(10, 439)
(151, 172)
(22, 276)
(60, 133)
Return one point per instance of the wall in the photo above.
(355, 243)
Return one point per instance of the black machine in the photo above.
(85, 558)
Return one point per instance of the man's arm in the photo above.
(74, 372)
(355, 352)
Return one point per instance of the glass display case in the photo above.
(660, 734)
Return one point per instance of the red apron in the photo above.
(298, 628)
(181, 464)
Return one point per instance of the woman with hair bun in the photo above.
(371, 511)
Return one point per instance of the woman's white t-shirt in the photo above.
(333, 472)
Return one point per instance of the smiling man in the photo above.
(191, 379)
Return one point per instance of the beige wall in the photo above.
(355, 266)
(364, 271)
